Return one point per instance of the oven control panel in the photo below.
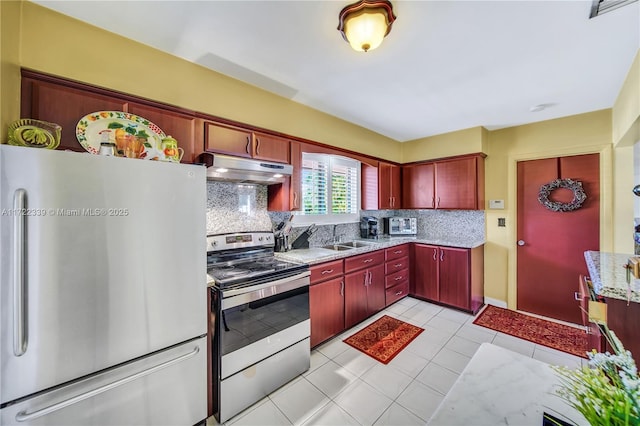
(239, 240)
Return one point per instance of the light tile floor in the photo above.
(346, 387)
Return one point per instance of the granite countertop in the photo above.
(316, 255)
(501, 387)
(609, 276)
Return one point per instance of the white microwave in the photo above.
(401, 225)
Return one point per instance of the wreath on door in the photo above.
(574, 186)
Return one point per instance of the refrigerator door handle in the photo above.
(19, 283)
(23, 416)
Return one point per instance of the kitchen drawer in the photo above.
(396, 252)
(324, 271)
(396, 265)
(396, 278)
(396, 293)
(363, 261)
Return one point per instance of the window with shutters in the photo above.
(330, 188)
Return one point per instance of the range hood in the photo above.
(237, 169)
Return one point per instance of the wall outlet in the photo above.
(502, 221)
(496, 204)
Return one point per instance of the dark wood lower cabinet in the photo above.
(425, 272)
(454, 277)
(449, 275)
(364, 294)
(326, 308)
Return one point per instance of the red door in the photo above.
(551, 244)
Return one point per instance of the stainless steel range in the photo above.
(259, 320)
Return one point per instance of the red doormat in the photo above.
(383, 339)
(553, 335)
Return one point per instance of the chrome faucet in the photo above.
(336, 238)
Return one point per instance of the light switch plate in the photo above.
(496, 204)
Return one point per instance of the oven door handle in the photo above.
(240, 296)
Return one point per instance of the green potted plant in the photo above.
(607, 392)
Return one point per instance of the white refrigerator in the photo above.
(103, 294)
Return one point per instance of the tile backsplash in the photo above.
(234, 207)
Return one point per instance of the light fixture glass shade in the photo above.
(367, 30)
(365, 24)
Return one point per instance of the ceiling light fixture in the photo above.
(364, 24)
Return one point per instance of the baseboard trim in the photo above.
(495, 302)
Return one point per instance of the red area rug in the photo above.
(553, 335)
(383, 339)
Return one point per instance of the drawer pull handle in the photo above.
(398, 265)
(397, 252)
(367, 260)
(399, 293)
(399, 278)
(327, 271)
(577, 295)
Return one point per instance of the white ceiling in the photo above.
(445, 66)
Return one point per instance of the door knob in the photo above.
(520, 242)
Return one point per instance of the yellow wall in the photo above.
(626, 109)
(580, 134)
(56, 44)
(445, 145)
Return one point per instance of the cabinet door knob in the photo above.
(521, 243)
(441, 255)
(435, 254)
(248, 144)
(257, 146)
(342, 288)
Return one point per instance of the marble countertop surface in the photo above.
(501, 387)
(609, 276)
(316, 255)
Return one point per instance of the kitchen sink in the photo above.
(338, 247)
(347, 245)
(355, 244)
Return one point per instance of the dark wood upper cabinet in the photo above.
(380, 186)
(182, 127)
(418, 191)
(456, 183)
(227, 140)
(389, 186)
(271, 148)
(63, 105)
(65, 102)
(295, 190)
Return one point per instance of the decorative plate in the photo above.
(90, 128)
(34, 133)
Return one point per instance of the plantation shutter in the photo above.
(344, 186)
(315, 191)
